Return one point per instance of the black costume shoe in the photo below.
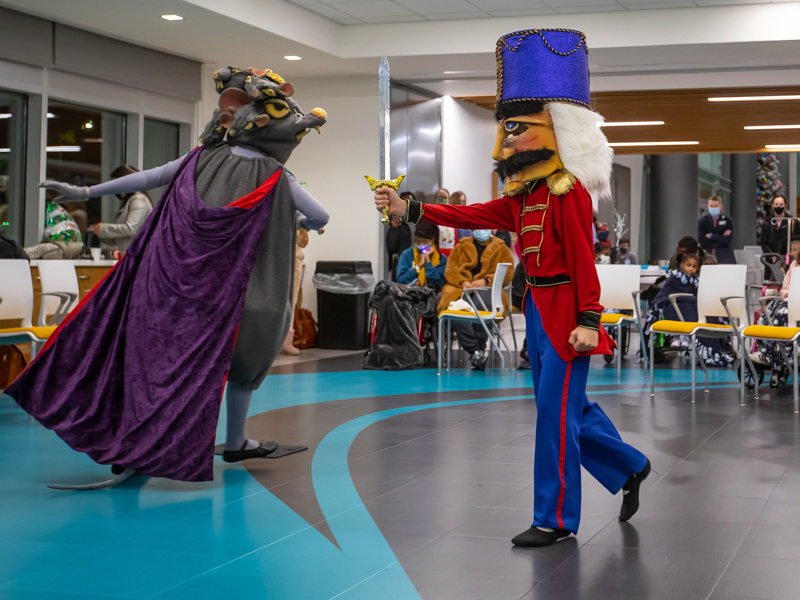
(263, 449)
(630, 498)
(524, 365)
(536, 537)
(478, 360)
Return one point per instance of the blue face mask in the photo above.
(482, 235)
(713, 211)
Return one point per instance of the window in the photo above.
(12, 164)
(83, 146)
(161, 145)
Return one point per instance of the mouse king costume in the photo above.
(552, 155)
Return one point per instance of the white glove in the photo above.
(67, 192)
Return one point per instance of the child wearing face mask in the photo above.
(423, 264)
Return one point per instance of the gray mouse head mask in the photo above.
(256, 110)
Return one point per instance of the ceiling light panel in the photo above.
(752, 98)
(623, 144)
(759, 127)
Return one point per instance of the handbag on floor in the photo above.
(305, 327)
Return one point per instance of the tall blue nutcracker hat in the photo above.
(537, 66)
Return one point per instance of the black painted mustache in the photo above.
(516, 162)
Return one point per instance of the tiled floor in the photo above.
(411, 488)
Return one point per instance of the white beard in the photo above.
(583, 147)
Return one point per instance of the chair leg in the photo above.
(449, 343)
(742, 371)
(694, 358)
(746, 357)
(619, 353)
(441, 329)
(652, 379)
(794, 379)
(705, 370)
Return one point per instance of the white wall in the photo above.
(333, 165)
(635, 162)
(468, 136)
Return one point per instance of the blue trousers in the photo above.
(570, 432)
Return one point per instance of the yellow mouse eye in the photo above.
(277, 109)
(511, 126)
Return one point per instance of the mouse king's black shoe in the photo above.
(536, 537)
(630, 491)
(263, 449)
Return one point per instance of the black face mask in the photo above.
(516, 162)
(779, 210)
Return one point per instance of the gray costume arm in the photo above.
(137, 182)
(314, 215)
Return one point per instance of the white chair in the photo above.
(791, 333)
(619, 289)
(16, 304)
(721, 293)
(487, 317)
(60, 290)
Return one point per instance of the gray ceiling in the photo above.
(353, 12)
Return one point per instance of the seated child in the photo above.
(684, 280)
(767, 352)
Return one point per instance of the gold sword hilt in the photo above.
(374, 184)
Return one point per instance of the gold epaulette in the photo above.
(561, 182)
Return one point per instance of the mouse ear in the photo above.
(287, 89)
(230, 101)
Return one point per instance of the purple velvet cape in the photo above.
(135, 377)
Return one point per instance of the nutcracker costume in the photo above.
(552, 154)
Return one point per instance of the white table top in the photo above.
(84, 262)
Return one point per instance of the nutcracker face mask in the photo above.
(526, 149)
(546, 128)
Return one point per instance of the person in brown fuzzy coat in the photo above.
(472, 264)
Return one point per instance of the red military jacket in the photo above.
(556, 240)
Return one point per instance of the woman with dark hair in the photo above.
(130, 217)
(422, 264)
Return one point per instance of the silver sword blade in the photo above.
(385, 101)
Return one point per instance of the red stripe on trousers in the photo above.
(562, 452)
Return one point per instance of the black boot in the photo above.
(263, 449)
(630, 491)
(536, 537)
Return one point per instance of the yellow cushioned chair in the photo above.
(782, 334)
(720, 294)
(487, 317)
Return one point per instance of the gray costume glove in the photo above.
(68, 193)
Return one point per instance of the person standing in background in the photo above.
(624, 254)
(448, 236)
(774, 231)
(715, 232)
(130, 217)
(398, 237)
(460, 199)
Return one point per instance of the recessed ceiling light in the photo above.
(752, 98)
(629, 123)
(613, 144)
(63, 148)
(780, 146)
(172, 17)
(51, 116)
(5, 115)
(5, 150)
(752, 127)
(293, 57)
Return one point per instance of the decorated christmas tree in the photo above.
(769, 185)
